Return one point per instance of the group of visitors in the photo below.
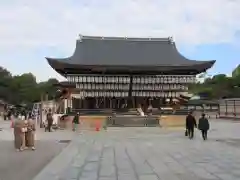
(16, 113)
(191, 124)
(24, 134)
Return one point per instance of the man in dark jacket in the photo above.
(190, 124)
(49, 120)
(203, 125)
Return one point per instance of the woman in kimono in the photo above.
(19, 135)
(30, 134)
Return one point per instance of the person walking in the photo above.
(203, 126)
(49, 120)
(190, 125)
(75, 122)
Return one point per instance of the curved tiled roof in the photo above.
(114, 53)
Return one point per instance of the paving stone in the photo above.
(91, 166)
(236, 173)
(93, 157)
(176, 167)
(224, 176)
(144, 169)
(71, 173)
(202, 173)
(123, 176)
(129, 170)
(88, 175)
(107, 171)
(153, 153)
(148, 177)
(108, 178)
(86, 178)
(169, 175)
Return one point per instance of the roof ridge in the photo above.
(167, 39)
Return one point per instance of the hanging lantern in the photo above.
(133, 93)
(154, 80)
(119, 79)
(141, 80)
(149, 80)
(134, 80)
(83, 79)
(96, 79)
(91, 79)
(124, 79)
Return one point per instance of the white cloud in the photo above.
(36, 24)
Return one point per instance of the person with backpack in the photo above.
(203, 126)
(49, 120)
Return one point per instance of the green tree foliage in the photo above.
(24, 88)
(218, 86)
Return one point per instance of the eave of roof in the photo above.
(65, 84)
(66, 68)
(115, 53)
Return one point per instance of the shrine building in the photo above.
(116, 72)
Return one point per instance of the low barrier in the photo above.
(90, 122)
(87, 122)
(132, 121)
(173, 121)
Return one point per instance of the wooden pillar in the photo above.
(111, 103)
(118, 103)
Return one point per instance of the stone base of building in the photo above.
(173, 121)
(86, 122)
(91, 122)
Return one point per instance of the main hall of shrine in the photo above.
(113, 72)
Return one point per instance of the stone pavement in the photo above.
(27, 164)
(149, 154)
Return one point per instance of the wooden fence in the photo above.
(229, 108)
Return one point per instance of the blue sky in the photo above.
(31, 30)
